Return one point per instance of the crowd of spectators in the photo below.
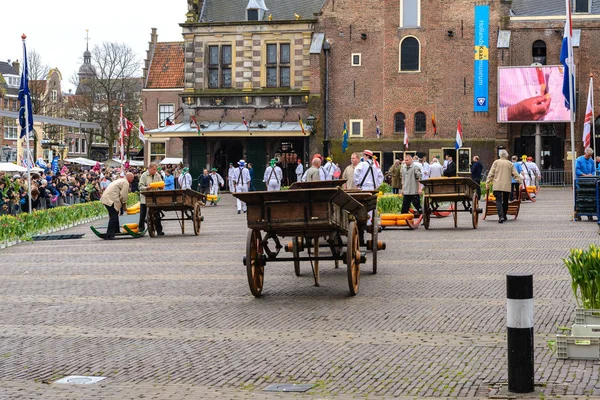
(65, 188)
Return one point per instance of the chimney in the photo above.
(17, 66)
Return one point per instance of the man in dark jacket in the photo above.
(204, 182)
(476, 170)
(450, 171)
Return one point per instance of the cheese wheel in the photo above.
(405, 216)
(401, 222)
(387, 222)
(157, 185)
(531, 189)
(392, 217)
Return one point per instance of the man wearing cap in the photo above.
(150, 176)
(536, 175)
(185, 179)
(273, 176)
(299, 171)
(367, 175)
(114, 198)
(241, 183)
(230, 178)
(216, 181)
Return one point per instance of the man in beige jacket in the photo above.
(500, 174)
(348, 174)
(113, 198)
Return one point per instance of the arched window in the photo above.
(420, 122)
(538, 52)
(399, 121)
(410, 54)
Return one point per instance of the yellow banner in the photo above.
(481, 53)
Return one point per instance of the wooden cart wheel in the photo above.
(374, 234)
(150, 223)
(474, 211)
(426, 214)
(296, 253)
(254, 262)
(197, 218)
(353, 258)
(455, 214)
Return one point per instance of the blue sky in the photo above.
(57, 29)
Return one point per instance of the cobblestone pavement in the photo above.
(172, 317)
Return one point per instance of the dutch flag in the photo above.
(566, 59)
(459, 137)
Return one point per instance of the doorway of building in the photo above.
(288, 154)
(552, 156)
(230, 151)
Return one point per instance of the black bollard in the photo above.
(519, 332)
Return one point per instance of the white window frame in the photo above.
(400, 55)
(162, 121)
(53, 95)
(359, 59)
(7, 127)
(402, 15)
(351, 130)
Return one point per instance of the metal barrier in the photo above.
(556, 177)
(14, 207)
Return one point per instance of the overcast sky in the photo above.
(56, 29)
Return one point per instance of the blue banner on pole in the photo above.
(482, 44)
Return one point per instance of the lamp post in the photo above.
(6, 150)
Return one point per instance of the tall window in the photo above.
(538, 52)
(219, 66)
(420, 122)
(399, 121)
(410, 13)
(356, 127)
(165, 111)
(410, 54)
(582, 6)
(10, 129)
(278, 65)
(157, 151)
(53, 96)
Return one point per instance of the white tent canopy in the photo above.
(10, 167)
(117, 163)
(171, 160)
(81, 161)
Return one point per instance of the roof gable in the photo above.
(166, 66)
(7, 69)
(281, 10)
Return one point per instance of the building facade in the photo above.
(10, 77)
(246, 85)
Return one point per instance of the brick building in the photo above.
(161, 96)
(407, 61)
(251, 59)
(10, 77)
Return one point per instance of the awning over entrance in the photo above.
(230, 129)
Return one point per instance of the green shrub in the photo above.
(385, 188)
(389, 204)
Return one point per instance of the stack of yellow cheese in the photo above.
(157, 185)
(531, 189)
(395, 219)
(132, 227)
(134, 209)
(212, 197)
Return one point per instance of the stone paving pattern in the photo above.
(172, 317)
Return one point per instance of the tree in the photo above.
(115, 83)
(38, 74)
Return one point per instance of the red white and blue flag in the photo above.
(459, 137)
(587, 125)
(245, 122)
(405, 138)
(566, 59)
(377, 130)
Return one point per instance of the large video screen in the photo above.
(531, 94)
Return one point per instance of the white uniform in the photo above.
(185, 181)
(436, 170)
(230, 174)
(299, 172)
(534, 172)
(241, 181)
(330, 168)
(425, 170)
(273, 177)
(215, 183)
(368, 176)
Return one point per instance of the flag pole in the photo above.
(593, 122)
(571, 89)
(27, 129)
